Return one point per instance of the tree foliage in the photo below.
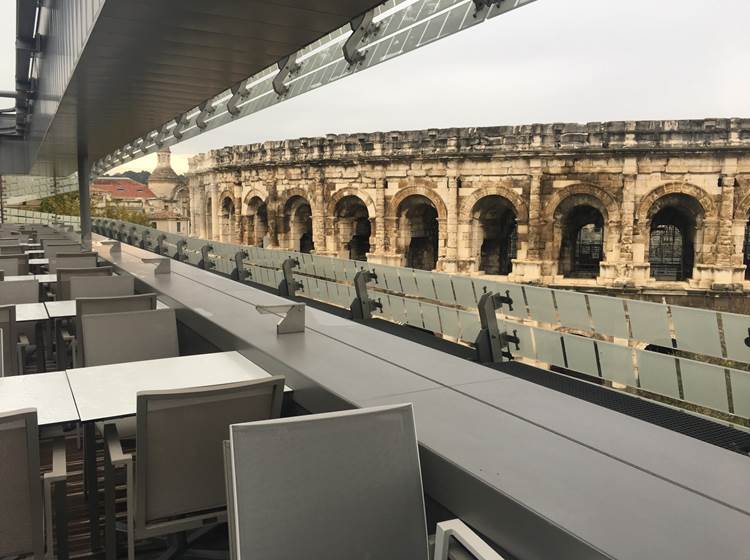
(67, 204)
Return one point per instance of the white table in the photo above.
(38, 262)
(67, 308)
(104, 392)
(46, 278)
(30, 244)
(18, 278)
(49, 393)
(34, 252)
(31, 312)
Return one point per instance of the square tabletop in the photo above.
(49, 393)
(31, 312)
(46, 278)
(103, 392)
(34, 252)
(18, 278)
(67, 308)
(38, 261)
(30, 244)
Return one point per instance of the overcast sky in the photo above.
(552, 61)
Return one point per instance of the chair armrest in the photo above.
(66, 336)
(59, 470)
(23, 341)
(462, 533)
(114, 447)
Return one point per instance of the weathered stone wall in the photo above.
(619, 204)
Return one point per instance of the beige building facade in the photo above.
(621, 204)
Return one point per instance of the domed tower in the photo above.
(163, 179)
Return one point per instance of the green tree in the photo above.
(67, 204)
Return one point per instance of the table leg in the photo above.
(90, 479)
(41, 364)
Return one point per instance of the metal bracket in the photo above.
(240, 92)
(362, 307)
(480, 5)
(131, 235)
(293, 320)
(145, 239)
(287, 67)
(492, 344)
(179, 254)
(161, 136)
(114, 246)
(180, 121)
(162, 264)
(289, 286)
(205, 262)
(239, 273)
(362, 27)
(159, 248)
(121, 232)
(207, 109)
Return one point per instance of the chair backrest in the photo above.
(72, 260)
(51, 249)
(9, 242)
(200, 417)
(23, 291)
(62, 288)
(9, 337)
(113, 338)
(100, 305)
(21, 525)
(337, 486)
(101, 286)
(11, 250)
(2, 274)
(14, 265)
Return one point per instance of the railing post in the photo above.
(145, 239)
(205, 262)
(159, 249)
(131, 235)
(289, 286)
(493, 345)
(179, 254)
(362, 307)
(239, 273)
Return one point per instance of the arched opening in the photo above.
(495, 232)
(182, 197)
(298, 224)
(672, 239)
(352, 228)
(419, 230)
(582, 247)
(227, 220)
(254, 226)
(209, 219)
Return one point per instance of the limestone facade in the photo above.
(622, 204)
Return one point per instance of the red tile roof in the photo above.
(122, 187)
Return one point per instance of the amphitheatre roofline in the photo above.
(651, 135)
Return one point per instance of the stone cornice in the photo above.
(618, 138)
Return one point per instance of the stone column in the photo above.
(380, 248)
(625, 275)
(272, 209)
(450, 262)
(530, 269)
(727, 274)
(319, 218)
(215, 213)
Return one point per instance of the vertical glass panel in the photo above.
(658, 373)
(443, 288)
(740, 392)
(737, 336)
(616, 363)
(608, 316)
(408, 282)
(430, 317)
(425, 287)
(580, 353)
(649, 322)
(549, 347)
(525, 345)
(413, 314)
(464, 290)
(541, 306)
(449, 322)
(572, 309)
(704, 384)
(470, 326)
(696, 330)
(398, 308)
(516, 294)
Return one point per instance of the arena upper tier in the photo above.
(653, 203)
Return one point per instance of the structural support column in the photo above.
(625, 274)
(450, 263)
(727, 274)
(216, 224)
(84, 195)
(530, 269)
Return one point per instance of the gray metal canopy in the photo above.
(111, 70)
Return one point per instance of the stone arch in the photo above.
(428, 193)
(227, 213)
(339, 195)
(287, 194)
(600, 199)
(742, 208)
(254, 219)
(518, 203)
(352, 225)
(297, 211)
(647, 204)
(254, 193)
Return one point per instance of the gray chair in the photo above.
(177, 482)
(62, 287)
(339, 486)
(101, 286)
(22, 291)
(114, 338)
(25, 513)
(14, 345)
(9, 241)
(11, 250)
(2, 275)
(51, 249)
(98, 306)
(72, 260)
(15, 265)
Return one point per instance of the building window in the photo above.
(582, 248)
(179, 227)
(671, 251)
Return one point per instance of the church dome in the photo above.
(163, 171)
